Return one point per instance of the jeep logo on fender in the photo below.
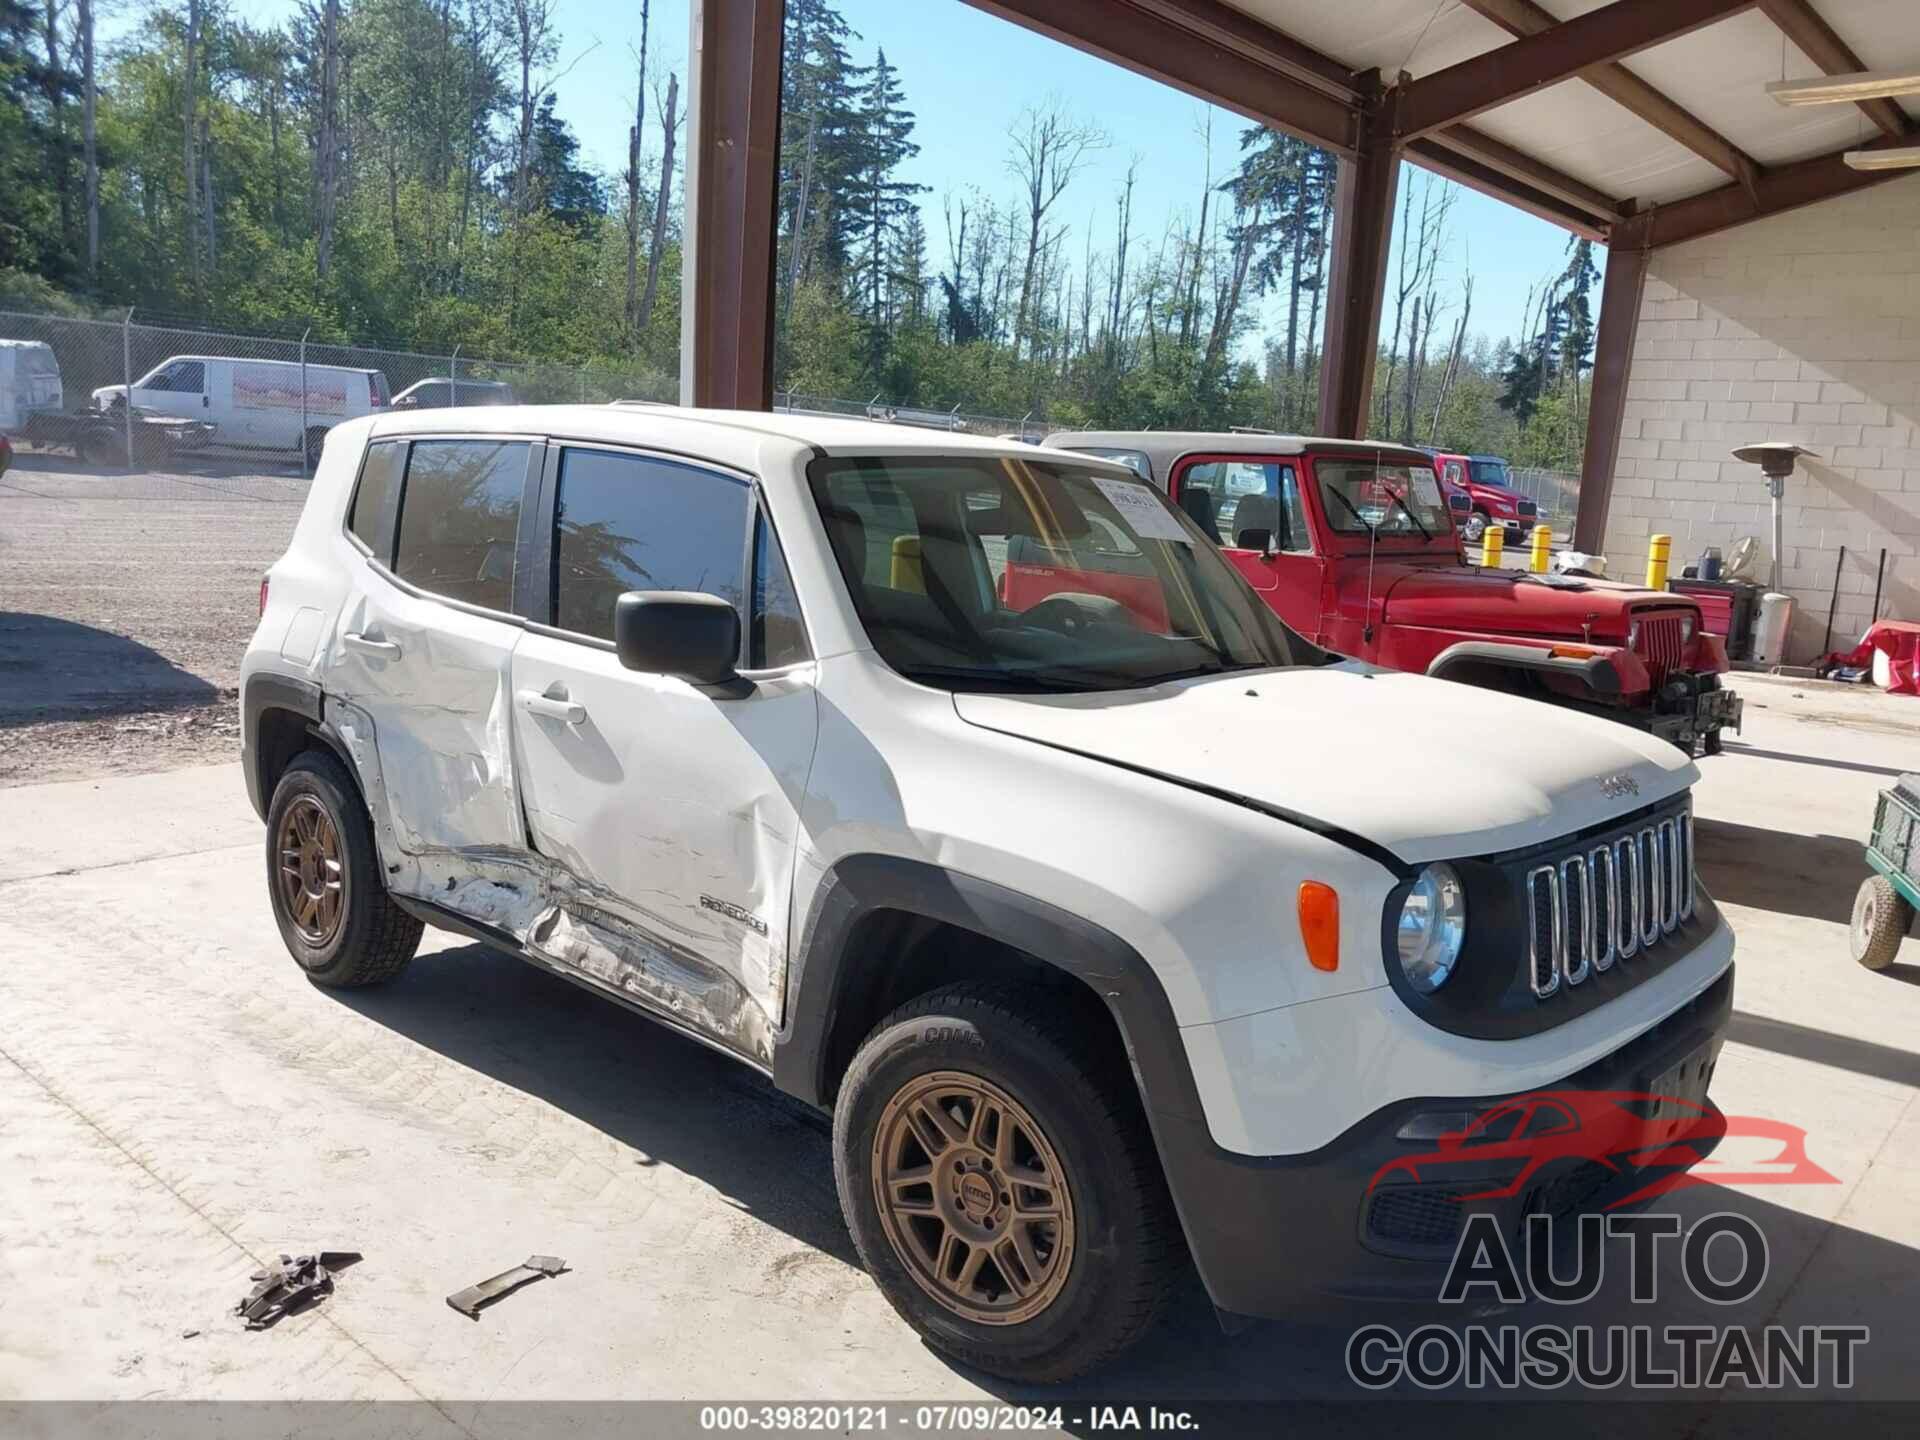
(1616, 786)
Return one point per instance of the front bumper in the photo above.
(1274, 1236)
(1690, 707)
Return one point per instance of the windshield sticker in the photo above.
(1142, 510)
(1425, 490)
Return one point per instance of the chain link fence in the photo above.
(280, 395)
(1556, 492)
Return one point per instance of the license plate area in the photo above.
(1676, 1097)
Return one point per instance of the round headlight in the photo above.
(1432, 928)
(1686, 629)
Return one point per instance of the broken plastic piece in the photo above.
(475, 1298)
(295, 1283)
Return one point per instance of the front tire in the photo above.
(316, 442)
(1881, 919)
(996, 1171)
(324, 881)
(1476, 527)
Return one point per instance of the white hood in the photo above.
(1430, 769)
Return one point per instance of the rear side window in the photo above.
(377, 500)
(632, 522)
(460, 519)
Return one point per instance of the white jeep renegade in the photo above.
(1119, 928)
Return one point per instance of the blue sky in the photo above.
(967, 77)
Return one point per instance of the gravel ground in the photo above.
(126, 601)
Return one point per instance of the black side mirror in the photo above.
(677, 632)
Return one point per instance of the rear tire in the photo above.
(1881, 919)
(316, 443)
(102, 448)
(324, 882)
(1038, 1154)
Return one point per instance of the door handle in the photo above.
(570, 711)
(368, 646)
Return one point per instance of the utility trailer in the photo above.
(1884, 906)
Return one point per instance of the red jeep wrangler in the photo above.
(1352, 544)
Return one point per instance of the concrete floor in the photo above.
(177, 1105)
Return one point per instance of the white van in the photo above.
(256, 404)
(29, 383)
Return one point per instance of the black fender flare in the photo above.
(264, 691)
(859, 885)
(1596, 672)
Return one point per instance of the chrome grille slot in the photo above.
(1576, 955)
(1626, 865)
(1685, 833)
(1670, 886)
(1592, 909)
(1605, 886)
(1546, 935)
(1650, 869)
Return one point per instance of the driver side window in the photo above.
(187, 376)
(1233, 499)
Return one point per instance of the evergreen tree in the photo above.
(878, 202)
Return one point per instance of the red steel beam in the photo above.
(1631, 93)
(731, 176)
(1780, 188)
(1207, 50)
(1822, 44)
(1560, 52)
(1362, 235)
(1510, 174)
(1620, 297)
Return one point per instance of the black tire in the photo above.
(316, 442)
(1127, 1252)
(102, 448)
(1713, 744)
(1881, 919)
(1476, 527)
(372, 939)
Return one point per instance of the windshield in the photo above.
(1394, 499)
(1491, 472)
(1024, 575)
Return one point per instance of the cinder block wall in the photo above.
(1804, 327)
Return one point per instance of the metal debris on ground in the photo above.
(472, 1300)
(292, 1285)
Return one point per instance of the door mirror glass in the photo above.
(677, 632)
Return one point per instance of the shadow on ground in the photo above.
(1810, 875)
(54, 669)
(680, 1104)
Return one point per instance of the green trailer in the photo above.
(1883, 909)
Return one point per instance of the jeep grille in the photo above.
(1594, 907)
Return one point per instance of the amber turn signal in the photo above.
(1320, 924)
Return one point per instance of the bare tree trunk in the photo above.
(57, 105)
(327, 137)
(1123, 235)
(190, 166)
(206, 191)
(1415, 347)
(1047, 154)
(89, 137)
(634, 138)
(669, 123)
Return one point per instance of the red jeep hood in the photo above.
(1510, 602)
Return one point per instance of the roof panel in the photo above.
(1718, 73)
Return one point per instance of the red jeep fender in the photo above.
(1609, 672)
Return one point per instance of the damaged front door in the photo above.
(421, 651)
(672, 812)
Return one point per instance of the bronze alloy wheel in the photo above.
(973, 1198)
(311, 875)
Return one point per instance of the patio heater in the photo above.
(1775, 459)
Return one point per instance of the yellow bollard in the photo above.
(1542, 549)
(1491, 545)
(904, 572)
(1659, 548)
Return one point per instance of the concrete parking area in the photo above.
(177, 1105)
